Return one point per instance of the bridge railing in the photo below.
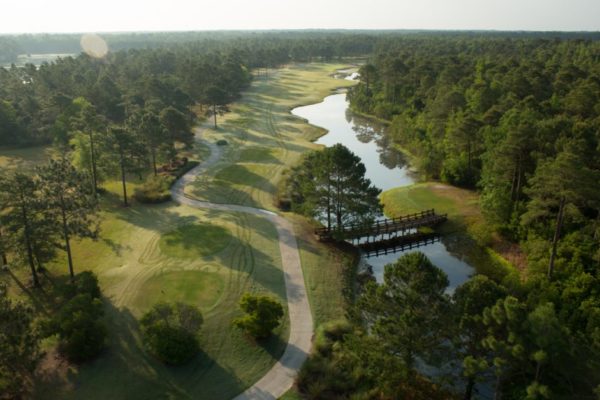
(377, 225)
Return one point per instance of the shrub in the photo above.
(85, 282)
(329, 333)
(80, 328)
(154, 190)
(172, 345)
(263, 314)
(170, 332)
(222, 142)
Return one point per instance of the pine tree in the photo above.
(28, 232)
(69, 202)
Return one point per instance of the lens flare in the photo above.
(93, 45)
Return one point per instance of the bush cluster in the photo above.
(156, 188)
(263, 314)
(170, 332)
(78, 323)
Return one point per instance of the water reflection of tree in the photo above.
(367, 130)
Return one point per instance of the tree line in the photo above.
(517, 120)
(299, 43)
(36, 103)
(520, 340)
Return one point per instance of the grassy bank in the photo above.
(466, 233)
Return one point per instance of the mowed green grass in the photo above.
(201, 288)
(136, 270)
(194, 240)
(263, 137)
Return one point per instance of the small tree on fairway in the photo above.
(80, 328)
(170, 332)
(69, 202)
(263, 314)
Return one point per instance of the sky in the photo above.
(33, 16)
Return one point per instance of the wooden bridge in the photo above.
(397, 244)
(395, 227)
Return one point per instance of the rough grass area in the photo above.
(465, 232)
(24, 159)
(328, 273)
(291, 394)
(263, 137)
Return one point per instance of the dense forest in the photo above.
(339, 41)
(35, 101)
(517, 120)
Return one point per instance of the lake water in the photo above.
(386, 168)
(37, 59)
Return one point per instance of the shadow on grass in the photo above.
(274, 345)
(126, 371)
(156, 217)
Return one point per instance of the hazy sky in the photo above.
(18, 16)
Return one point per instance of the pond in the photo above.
(386, 168)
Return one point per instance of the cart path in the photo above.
(280, 378)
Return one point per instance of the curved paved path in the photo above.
(280, 377)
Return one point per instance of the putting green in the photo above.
(199, 288)
(193, 241)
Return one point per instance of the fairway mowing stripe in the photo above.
(280, 378)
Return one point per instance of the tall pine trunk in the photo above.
(154, 161)
(328, 203)
(67, 241)
(469, 388)
(215, 115)
(26, 233)
(557, 229)
(122, 162)
(3, 253)
(93, 159)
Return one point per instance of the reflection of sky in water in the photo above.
(386, 168)
(457, 270)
